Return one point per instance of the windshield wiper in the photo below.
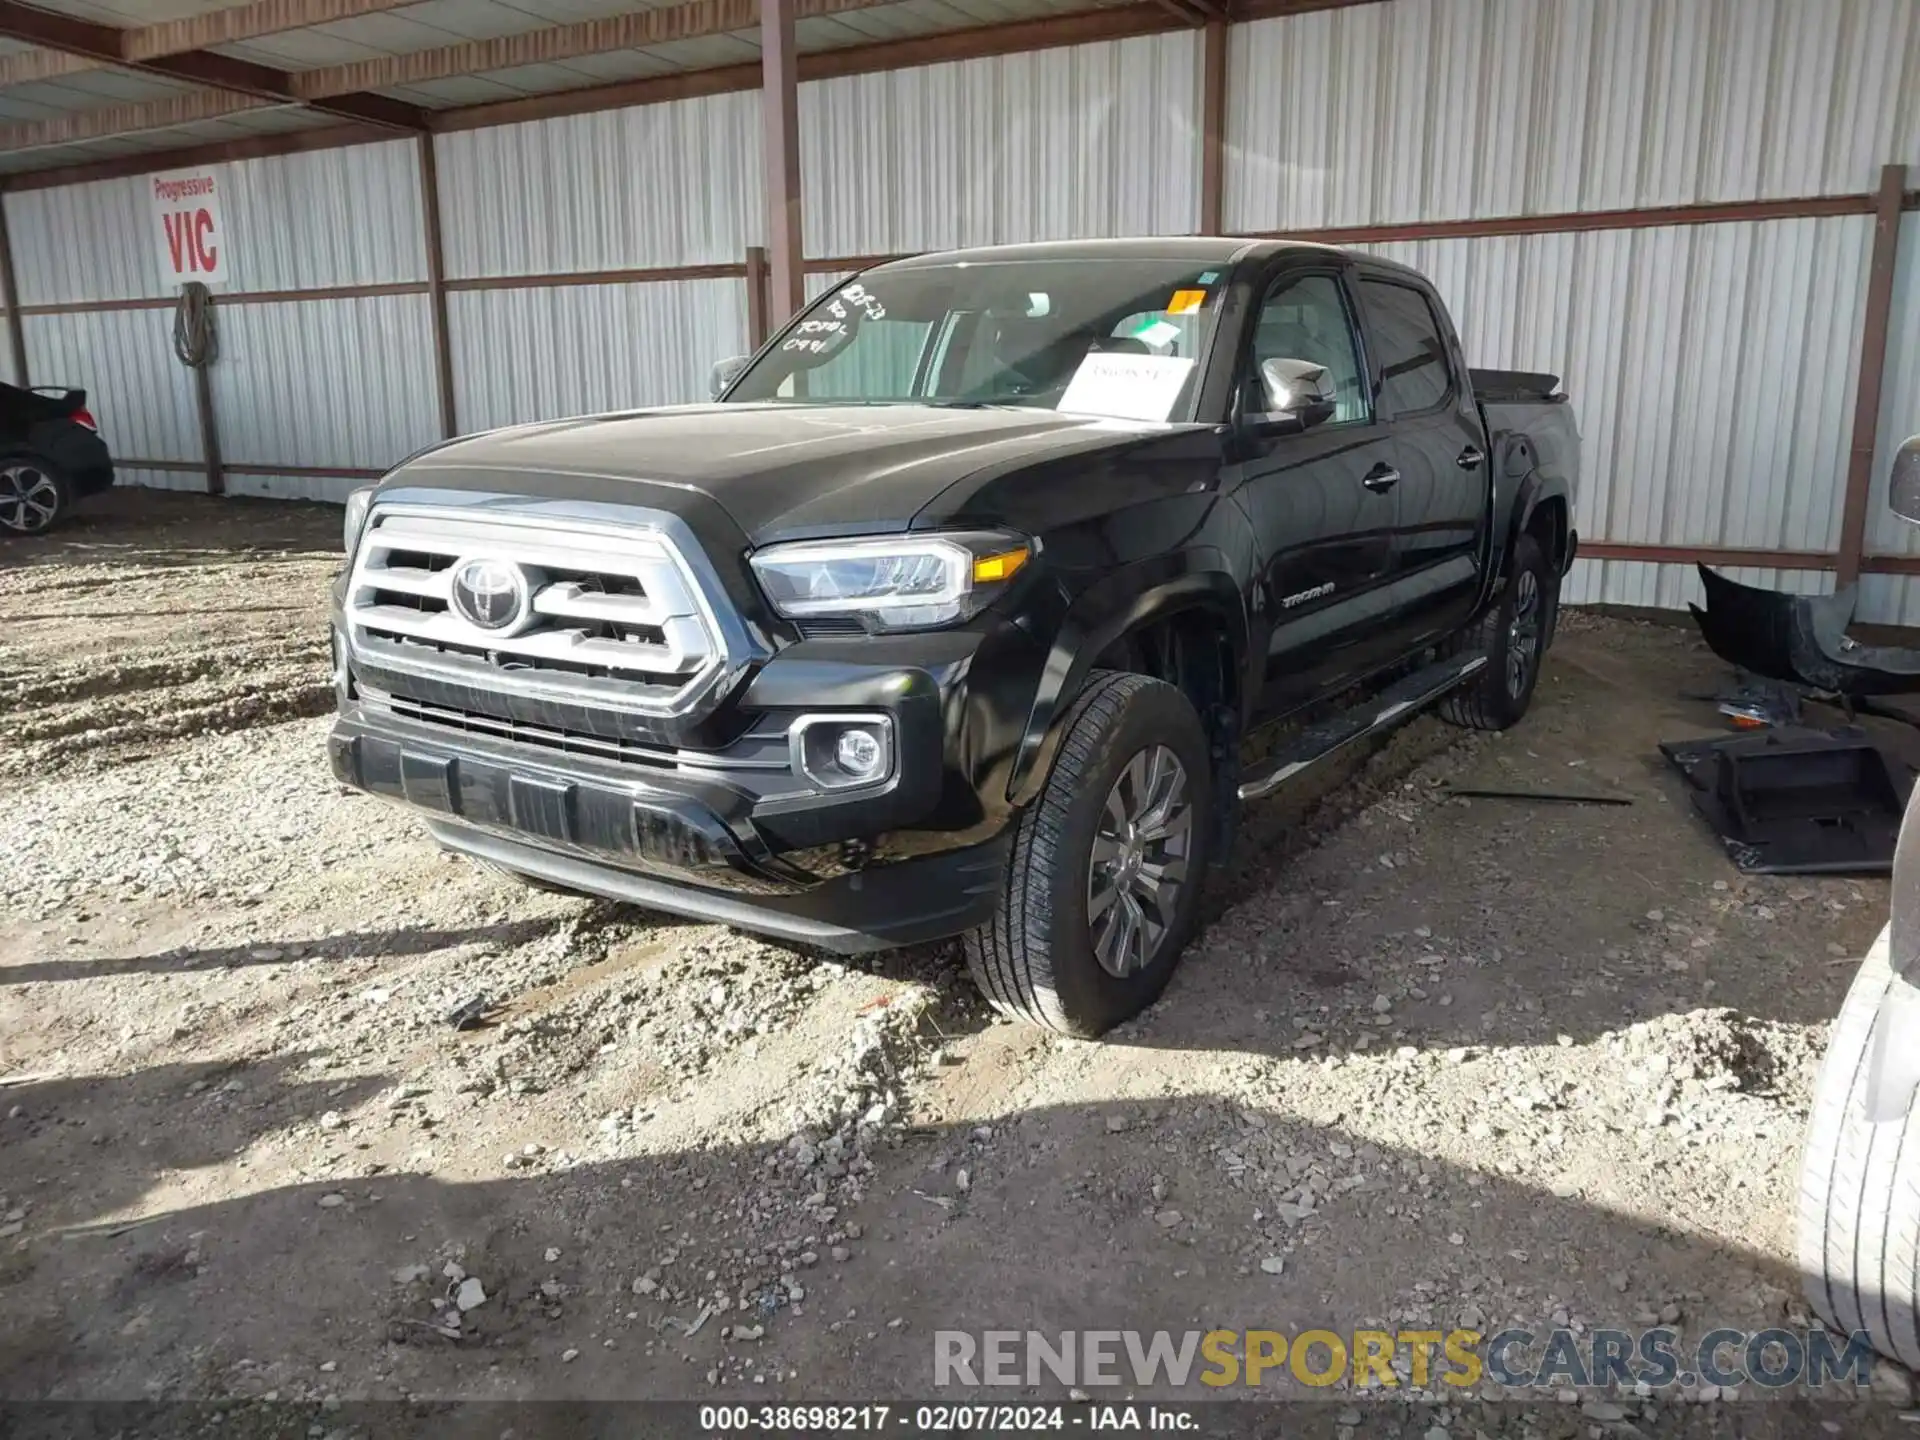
(1007, 402)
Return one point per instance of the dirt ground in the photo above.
(1435, 1062)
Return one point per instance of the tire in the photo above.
(35, 494)
(1514, 635)
(1859, 1218)
(1039, 958)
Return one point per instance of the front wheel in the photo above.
(1514, 637)
(1103, 885)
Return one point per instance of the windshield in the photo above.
(1111, 337)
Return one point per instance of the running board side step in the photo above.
(1398, 703)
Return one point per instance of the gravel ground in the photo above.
(1436, 1061)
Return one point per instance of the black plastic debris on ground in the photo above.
(1798, 801)
(469, 1014)
(1800, 639)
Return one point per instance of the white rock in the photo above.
(553, 1254)
(332, 1200)
(1274, 1264)
(471, 1294)
(645, 1285)
(567, 1357)
(962, 1181)
(1892, 1384)
(1382, 1004)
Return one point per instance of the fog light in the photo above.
(841, 752)
(860, 754)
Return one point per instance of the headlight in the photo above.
(893, 582)
(358, 503)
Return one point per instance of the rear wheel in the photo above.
(1513, 635)
(1103, 884)
(34, 495)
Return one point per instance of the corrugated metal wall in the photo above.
(672, 184)
(326, 383)
(322, 384)
(1454, 109)
(666, 185)
(141, 395)
(1092, 140)
(572, 350)
(1896, 598)
(1712, 367)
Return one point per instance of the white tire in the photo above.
(1860, 1187)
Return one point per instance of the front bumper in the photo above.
(728, 835)
(686, 846)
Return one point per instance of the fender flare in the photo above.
(1537, 487)
(1115, 605)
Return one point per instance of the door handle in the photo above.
(1469, 458)
(1380, 479)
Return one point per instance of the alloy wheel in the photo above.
(1139, 862)
(29, 499)
(1523, 633)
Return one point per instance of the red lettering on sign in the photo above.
(207, 256)
(176, 235)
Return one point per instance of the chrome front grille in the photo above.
(611, 615)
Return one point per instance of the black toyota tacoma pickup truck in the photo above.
(957, 611)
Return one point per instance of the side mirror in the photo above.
(1903, 494)
(1296, 394)
(725, 373)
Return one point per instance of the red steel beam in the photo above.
(1213, 128)
(1873, 367)
(437, 286)
(780, 115)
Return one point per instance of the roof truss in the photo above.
(89, 40)
(340, 90)
(196, 32)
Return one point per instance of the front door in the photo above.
(1322, 500)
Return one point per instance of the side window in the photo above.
(1306, 319)
(1413, 358)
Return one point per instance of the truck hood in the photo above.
(779, 471)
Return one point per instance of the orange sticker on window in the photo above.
(1185, 302)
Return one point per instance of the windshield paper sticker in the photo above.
(1126, 387)
(1186, 302)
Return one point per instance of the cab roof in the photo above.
(1220, 250)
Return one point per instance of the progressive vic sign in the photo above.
(186, 209)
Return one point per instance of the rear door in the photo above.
(1426, 406)
(1322, 507)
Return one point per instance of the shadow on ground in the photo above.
(354, 945)
(272, 1293)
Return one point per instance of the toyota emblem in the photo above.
(491, 594)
